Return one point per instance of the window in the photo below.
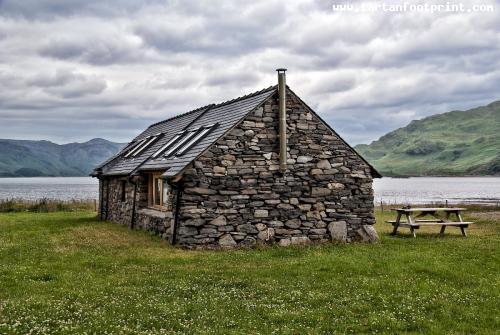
(133, 148)
(142, 145)
(123, 190)
(168, 145)
(183, 141)
(159, 192)
(165, 193)
(202, 132)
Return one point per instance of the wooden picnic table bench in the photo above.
(414, 219)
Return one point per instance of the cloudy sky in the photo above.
(74, 70)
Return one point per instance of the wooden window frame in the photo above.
(152, 177)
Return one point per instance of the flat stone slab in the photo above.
(368, 233)
(153, 213)
(338, 231)
(227, 241)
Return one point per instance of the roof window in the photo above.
(183, 141)
(141, 146)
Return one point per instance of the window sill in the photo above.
(158, 208)
(154, 212)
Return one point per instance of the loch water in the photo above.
(416, 190)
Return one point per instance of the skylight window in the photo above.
(142, 145)
(168, 144)
(202, 132)
(134, 147)
(183, 140)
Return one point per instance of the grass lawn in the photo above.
(67, 273)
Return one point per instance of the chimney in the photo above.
(282, 117)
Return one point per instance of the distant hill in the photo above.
(455, 143)
(21, 158)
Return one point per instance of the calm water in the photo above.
(437, 190)
(389, 190)
(63, 188)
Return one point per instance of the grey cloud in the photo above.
(62, 49)
(32, 8)
(132, 62)
(50, 9)
(333, 83)
(223, 33)
(171, 81)
(78, 89)
(46, 92)
(78, 130)
(240, 78)
(58, 78)
(68, 84)
(92, 51)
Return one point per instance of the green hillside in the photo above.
(453, 143)
(19, 158)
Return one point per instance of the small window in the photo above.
(168, 145)
(123, 190)
(133, 147)
(186, 138)
(200, 133)
(142, 145)
(183, 141)
(160, 191)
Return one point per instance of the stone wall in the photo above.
(234, 194)
(155, 221)
(118, 211)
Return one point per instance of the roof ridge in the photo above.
(182, 114)
(246, 96)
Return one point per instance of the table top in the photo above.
(430, 209)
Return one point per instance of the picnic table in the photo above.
(415, 218)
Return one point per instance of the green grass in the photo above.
(67, 273)
(453, 143)
(46, 205)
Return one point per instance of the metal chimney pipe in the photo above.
(282, 117)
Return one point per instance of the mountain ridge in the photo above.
(42, 158)
(455, 143)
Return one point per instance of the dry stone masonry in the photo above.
(233, 194)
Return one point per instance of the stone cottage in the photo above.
(261, 168)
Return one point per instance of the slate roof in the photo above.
(226, 115)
